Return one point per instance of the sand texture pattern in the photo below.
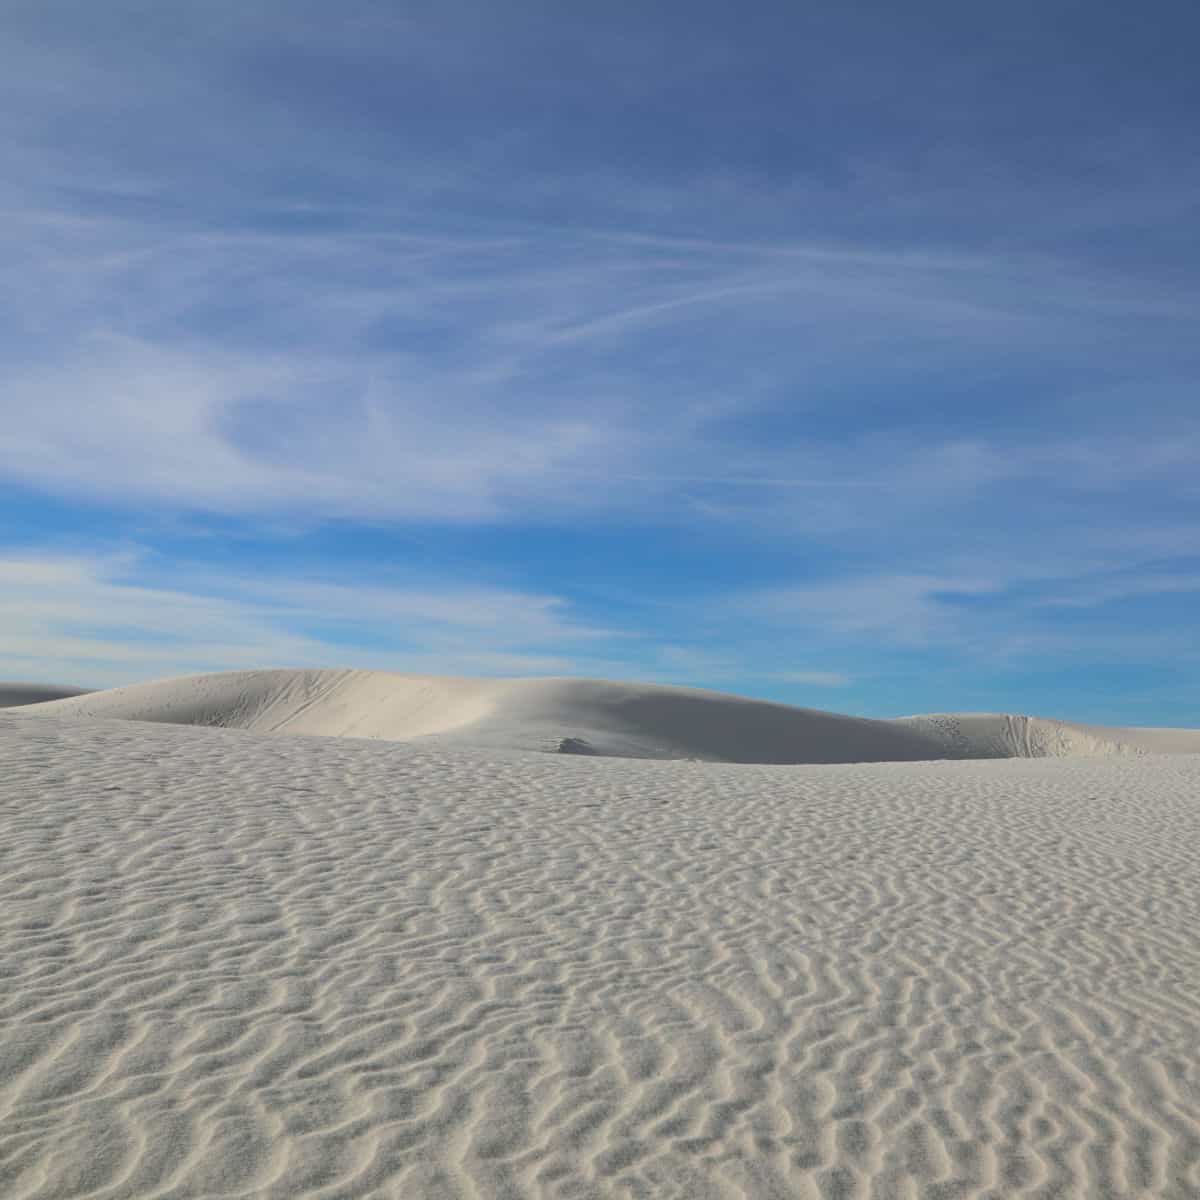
(243, 965)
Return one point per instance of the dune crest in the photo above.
(596, 717)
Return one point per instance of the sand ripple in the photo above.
(236, 965)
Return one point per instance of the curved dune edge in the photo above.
(18, 695)
(587, 716)
(1006, 735)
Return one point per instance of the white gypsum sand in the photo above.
(636, 720)
(246, 965)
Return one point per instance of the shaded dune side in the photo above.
(585, 716)
(17, 695)
(641, 721)
(592, 716)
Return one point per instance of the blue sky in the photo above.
(845, 355)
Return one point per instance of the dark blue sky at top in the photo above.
(845, 354)
(1037, 97)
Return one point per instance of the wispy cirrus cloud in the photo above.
(483, 378)
(1001, 612)
(106, 619)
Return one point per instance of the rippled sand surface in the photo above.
(241, 965)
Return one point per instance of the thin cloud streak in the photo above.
(103, 620)
(984, 617)
(97, 620)
(456, 378)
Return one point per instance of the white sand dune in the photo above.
(1004, 735)
(15, 695)
(290, 967)
(588, 716)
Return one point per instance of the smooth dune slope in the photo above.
(16, 695)
(328, 968)
(1005, 735)
(585, 716)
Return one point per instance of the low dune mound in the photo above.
(564, 715)
(337, 703)
(636, 720)
(592, 717)
(17, 695)
(1004, 735)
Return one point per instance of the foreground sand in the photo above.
(243, 965)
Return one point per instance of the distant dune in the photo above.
(17, 695)
(587, 716)
(1004, 735)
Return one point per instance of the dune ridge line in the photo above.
(597, 717)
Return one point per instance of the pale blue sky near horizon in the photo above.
(843, 355)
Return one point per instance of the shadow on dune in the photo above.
(590, 717)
